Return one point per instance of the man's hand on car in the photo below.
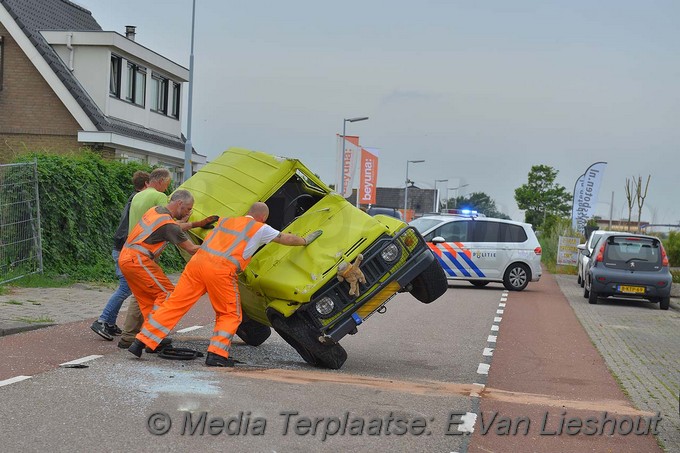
(311, 237)
(206, 223)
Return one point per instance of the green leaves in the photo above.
(541, 197)
(81, 199)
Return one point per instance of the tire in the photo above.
(583, 282)
(252, 332)
(592, 298)
(580, 280)
(479, 283)
(586, 293)
(664, 303)
(429, 284)
(516, 277)
(296, 332)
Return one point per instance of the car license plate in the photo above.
(632, 289)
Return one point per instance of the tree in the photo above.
(541, 197)
(480, 202)
(641, 198)
(630, 187)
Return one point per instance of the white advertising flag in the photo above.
(347, 162)
(587, 198)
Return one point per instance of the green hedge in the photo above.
(81, 199)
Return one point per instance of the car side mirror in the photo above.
(438, 240)
(586, 252)
(581, 247)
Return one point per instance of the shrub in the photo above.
(672, 246)
(81, 198)
(549, 240)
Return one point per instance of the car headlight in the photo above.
(325, 306)
(390, 253)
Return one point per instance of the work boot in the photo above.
(122, 344)
(137, 347)
(213, 359)
(165, 343)
(100, 329)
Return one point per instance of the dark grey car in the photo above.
(628, 265)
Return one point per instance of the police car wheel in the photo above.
(516, 277)
(479, 283)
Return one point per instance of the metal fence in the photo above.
(20, 247)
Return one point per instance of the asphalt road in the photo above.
(408, 370)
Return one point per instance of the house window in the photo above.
(114, 82)
(136, 78)
(2, 57)
(176, 93)
(159, 94)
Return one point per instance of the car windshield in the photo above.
(424, 224)
(623, 251)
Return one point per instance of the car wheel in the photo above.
(479, 283)
(430, 284)
(516, 277)
(592, 297)
(296, 332)
(252, 332)
(664, 303)
(586, 293)
(579, 280)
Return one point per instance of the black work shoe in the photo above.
(112, 329)
(136, 348)
(213, 359)
(100, 329)
(165, 343)
(122, 344)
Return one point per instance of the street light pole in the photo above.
(406, 188)
(436, 200)
(447, 195)
(188, 145)
(342, 153)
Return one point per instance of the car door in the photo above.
(488, 254)
(451, 241)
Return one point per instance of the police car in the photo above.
(482, 249)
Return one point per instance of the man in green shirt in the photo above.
(153, 195)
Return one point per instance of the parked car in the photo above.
(583, 258)
(628, 265)
(483, 249)
(392, 212)
(295, 290)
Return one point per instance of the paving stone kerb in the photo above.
(640, 344)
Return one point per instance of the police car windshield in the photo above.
(423, 224)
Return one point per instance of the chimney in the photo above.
(130, 32)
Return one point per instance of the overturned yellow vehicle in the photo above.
(295, 290)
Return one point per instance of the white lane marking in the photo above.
(488, 352)
(81, 360)
(189, 329)
(497, 319)
(13, 380)
(494, 328)
(500, 312)
(491, 338)
(476, 392)
(468, 425)
(502, 305)
(483, 368)
(504, 299)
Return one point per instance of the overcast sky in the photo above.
(482, 90)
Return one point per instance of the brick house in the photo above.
(67, 84)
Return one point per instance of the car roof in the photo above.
(449, 217)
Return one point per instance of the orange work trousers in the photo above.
(146, 279)
(202, 274)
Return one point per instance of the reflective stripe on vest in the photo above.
(150, 222)
(219, 244)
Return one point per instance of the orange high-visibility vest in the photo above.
(150, 222)
(229, 238)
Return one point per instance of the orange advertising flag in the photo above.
(369, 175)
